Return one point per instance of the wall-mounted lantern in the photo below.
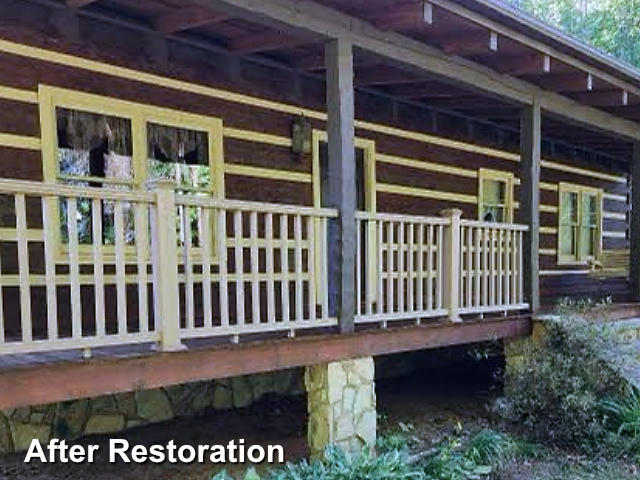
(301, 136)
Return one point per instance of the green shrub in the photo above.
(624, 420)
(557, 390)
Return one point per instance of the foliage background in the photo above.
(613, 26)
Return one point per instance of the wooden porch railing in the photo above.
(82, 267)
(85, 267)
(411, 267)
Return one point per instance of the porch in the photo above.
(87, 268)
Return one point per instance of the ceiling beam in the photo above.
(186, 18)
(79, 3)
(264, 42)
(410, 16)
(316, 19)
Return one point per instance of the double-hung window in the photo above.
(94, 141)
(495, 196)
(579, 229)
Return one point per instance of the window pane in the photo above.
(568, 220)
(494, 192)
(179, 154)
(97, 147)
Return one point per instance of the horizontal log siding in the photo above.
(257, 136)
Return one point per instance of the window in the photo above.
(90, 140)
(579, 230)
(495, 197)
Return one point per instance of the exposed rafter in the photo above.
(470, 43)
(427, 89)
(186, 18)
(611, 98)
(566, 82)
(517, 65)
(410, 16)
(316, 62)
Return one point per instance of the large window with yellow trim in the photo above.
(495, 196)
(96, 141)
(579, 223)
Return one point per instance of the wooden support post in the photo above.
(342, 182)
(451, 265)
(530, 143)
(634, 263)
(165, 266)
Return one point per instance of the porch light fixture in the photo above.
(301, 137)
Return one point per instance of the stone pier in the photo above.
(342, 404)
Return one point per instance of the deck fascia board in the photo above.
(48, 383)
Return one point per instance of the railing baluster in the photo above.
(485, 266)
(324, 266)
(440, 268)
(205, 244)
(23, 267)
(48, 208)
(514, 267)
(359, 267)
(74, 268)
(500, 266)
(432, 250)
(311, 270)
(271, 291)
(420, 269)
(297, 236)
(239, 259)
(121, 292)
(255, 269)
(506, 282)
(476, 266)
(284, 266)
(370, 263)
(187, 255)
(98, 266)
(221, 244)
(380, 296)
(142, 254)
(520, 265)
(390, 268)
(410, 268)
(401, 269)
(469, 243)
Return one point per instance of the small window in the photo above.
(579, 232)
(495, 202)
(179, 154)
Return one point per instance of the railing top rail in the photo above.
(494, 226)
(278, 208)
(392, 217)
(35, 189)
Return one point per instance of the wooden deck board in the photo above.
(46, 378)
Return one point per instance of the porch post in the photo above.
(634, 261)
(341, 182)
(530, 143)
(165, 266)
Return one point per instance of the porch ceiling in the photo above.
(483, 32)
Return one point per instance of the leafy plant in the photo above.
(624, 413)
(557, 390)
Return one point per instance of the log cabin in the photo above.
(201, 189)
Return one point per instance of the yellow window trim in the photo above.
(565, 187)
(501, 176)
(50, 98)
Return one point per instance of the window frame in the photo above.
(140, 115)
(499, 176)
(580, 190)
